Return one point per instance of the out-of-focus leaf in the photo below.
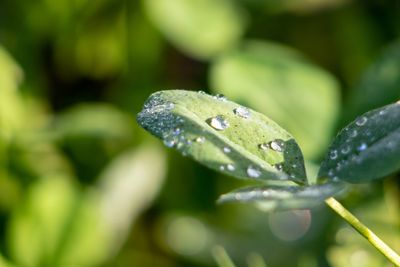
(367, 149)
(5, 263)
(223, 135)
(11, 104)
(379, 85)
(201, 28)
(57, 226)
(128, 186)
(98, 50)
(283, 197)
(93, 128)
(279, 82)
(95, 120)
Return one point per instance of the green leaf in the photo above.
(57, 225)
(278, 81)
(284, 197)
(95, 120)
(223, 135)
(201, 28)
(367, 149)
(128, 186)
(380, 83)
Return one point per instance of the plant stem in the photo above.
(372, 238)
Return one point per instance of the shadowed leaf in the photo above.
(367, 149)
(284, 197)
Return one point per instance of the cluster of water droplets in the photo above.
(350, 151)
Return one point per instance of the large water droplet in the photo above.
(361, 121)
(333, 154)
(276, 145)
(362, 147)
(226, 150)
(242, 112)
(253, 172)
(219, 123)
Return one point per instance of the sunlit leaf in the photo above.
(367, 149)
(223, 135)
(57, 226)
(283, 197)
(379, 85)
(128, 186)
(280, 83)
(201, 28)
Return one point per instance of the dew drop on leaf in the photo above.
(220, 97)
(219, 123)
(200, 139)
(230, 167)
(226, 150)
(276, 145)
(169, 142)
(263, 146)
(278, 166)
(361, 121)
(253, 172)
(242, 112)
(333, 154)
(362, 147)
(345, 150)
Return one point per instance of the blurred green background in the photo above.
(82, 185)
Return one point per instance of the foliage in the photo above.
(81, 184)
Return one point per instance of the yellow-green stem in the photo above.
(372, 238)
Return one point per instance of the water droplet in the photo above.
(177, 131)
(169, 106)
(169, 142)
(201, 92)
(263, 146)
(353, 133)
(200, 139)
(382, 112)
(333, 154)
(220, 97)
(345, 150)
(253, 172)
(278, 166)
(226, 150)
(362, 147)
(276, 145)
(222, 168)
(230, 167)
(219, 123)
(361, 121)
(330, 173)
(242, 112)
(294, 165)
